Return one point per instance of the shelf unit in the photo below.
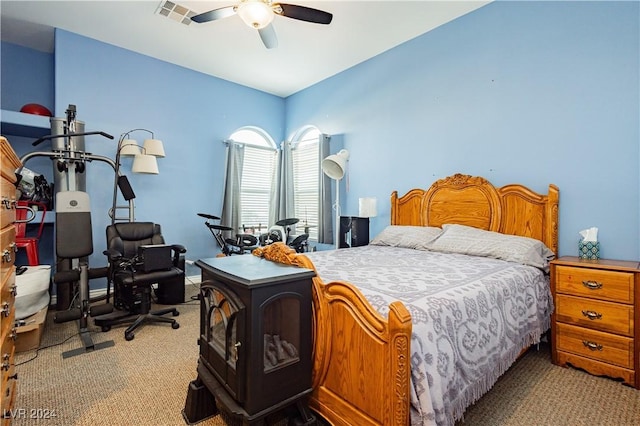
(22, 124)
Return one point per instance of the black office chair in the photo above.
(138, 258)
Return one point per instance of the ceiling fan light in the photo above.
(255, 13)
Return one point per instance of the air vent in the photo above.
(175, 12)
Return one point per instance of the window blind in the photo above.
(305, 181)
(258, 175)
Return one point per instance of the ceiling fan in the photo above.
(259, 14)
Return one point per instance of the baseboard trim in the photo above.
(99, 292)
(193, 279)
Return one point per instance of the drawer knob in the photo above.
(6, 202)
(592, 285)
(6, 256)
(592, 315)
(5, 310)
(592, 346)
(5, 362)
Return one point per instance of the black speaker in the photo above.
(125, 188)
(359, 231)
(171, 292)
(135, 299)
(354, 231)
(345, 231)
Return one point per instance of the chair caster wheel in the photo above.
(175, 325)
(129, 336)
(176, 313)
(106, 328)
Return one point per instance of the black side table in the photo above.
(354, 231)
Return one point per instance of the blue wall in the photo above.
(525, 92)
(26, 76)
(517, 92)
(116, 90)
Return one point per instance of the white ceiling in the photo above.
(307, 53)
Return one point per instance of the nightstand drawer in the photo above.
(599, 315)
(605, 347)
(598, 284)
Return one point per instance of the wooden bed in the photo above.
(361, 371)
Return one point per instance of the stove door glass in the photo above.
(281, 333)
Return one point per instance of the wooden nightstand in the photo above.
(596, 322)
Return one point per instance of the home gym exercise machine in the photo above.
(73, 232)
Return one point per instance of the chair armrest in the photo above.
(112, 254)
(179, 248)
(178, 259)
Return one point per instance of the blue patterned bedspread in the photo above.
(471, 316)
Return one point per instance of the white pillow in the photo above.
(415, 237)
(478, 242)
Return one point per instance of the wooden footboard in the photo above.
(362, 367)
(362, 360)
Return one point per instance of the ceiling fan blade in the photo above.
(212, 15)
(268, 36)
(304, 13)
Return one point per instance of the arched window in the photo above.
(253, 136)
(258, 176)
(264, 185)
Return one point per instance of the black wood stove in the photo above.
(255, 341)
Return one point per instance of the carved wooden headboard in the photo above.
(474, 201)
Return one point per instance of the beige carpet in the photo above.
(144, 382)
(140, 382)
(535, 392)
